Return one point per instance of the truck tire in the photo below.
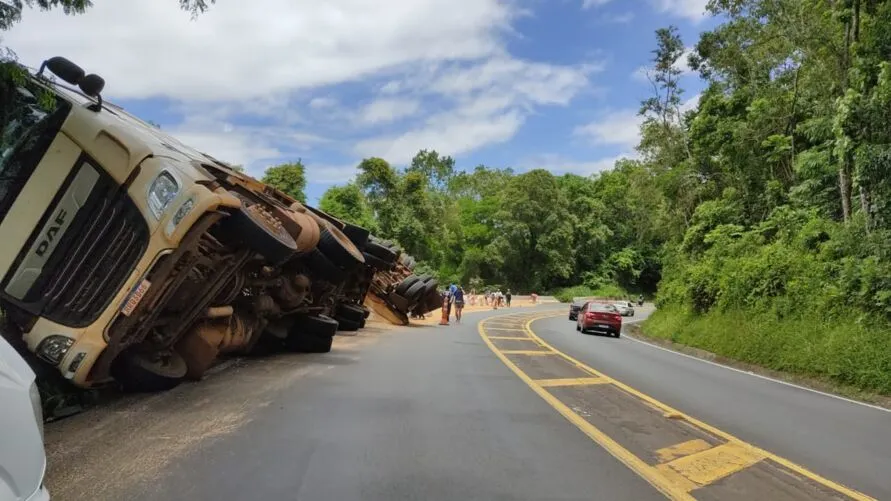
(339, 249)
(136, 372)
(415, 292)
(350, 312)
(262, 232)
(376, 262)
(357, 234)
(380, 251)
(403, 287)
(311, 334)
(348, 325)
(324, 269)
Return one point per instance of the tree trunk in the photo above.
(844, 186)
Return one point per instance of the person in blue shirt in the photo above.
(458, 299)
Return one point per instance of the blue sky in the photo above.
(521, 84)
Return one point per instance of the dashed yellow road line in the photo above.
(682, 467)
(571, 381)
(649, 473)
(853, 494)
(521, 338)
(528, 352)
(512, 329)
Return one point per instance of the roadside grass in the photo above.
(854, 358)
(566, 294)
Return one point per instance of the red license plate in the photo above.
(135, 297)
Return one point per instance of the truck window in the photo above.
(28, 126)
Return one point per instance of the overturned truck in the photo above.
(131, 257)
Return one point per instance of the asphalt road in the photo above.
(420, 414)
(431, 413)
(840, 440)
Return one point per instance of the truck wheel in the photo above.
(347, 325)
(403, 287)
(362, 323)
(376, 262)
(350, 312)
(311, 335)
(415, 292)
(261, 231)
(138, 372)
(380, 251)
(357, 234)
(324, 268)
(339, 249)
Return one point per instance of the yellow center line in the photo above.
(669, 411)
(570, 381)
(521, 338)
(671, 489)
(528, 352)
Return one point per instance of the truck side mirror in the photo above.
(64, 69)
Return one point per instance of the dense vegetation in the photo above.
(762, 216)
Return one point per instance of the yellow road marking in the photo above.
(682, 449)
(647, 472)
(518, 328)
(713, 464)
(667, 410)
(522, 338)
(679, 481)
(570, 381)
(528, 352)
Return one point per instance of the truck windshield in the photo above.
(28, 124)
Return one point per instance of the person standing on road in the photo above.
(507, 298)
(458, 299)
(447, 299)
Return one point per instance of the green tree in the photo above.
(289, 178)
(348, 203)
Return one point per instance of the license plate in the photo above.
(135, 297)
(603, 326)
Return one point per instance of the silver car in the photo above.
(626, 309)
(22, 458)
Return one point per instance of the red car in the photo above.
(599, 317)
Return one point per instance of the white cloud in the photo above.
(318, 103)
(690, 104)
(455, 133)
(148, 48)
(587, 4)
(620, 128)
(682, 65)
(440, 70)
(559, 164)
(388, 110)
(491, 101)
(694, 10)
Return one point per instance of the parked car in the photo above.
(22, 458)
(599, 317)
(574, 308)
(625, 308)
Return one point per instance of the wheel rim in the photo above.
(270, 223)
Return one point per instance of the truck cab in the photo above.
(130, 256)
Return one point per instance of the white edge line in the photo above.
(749, 373)
(753, 374)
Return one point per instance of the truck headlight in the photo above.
(162, 191)
(37, 405)
(179, 215)
(54, 348)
